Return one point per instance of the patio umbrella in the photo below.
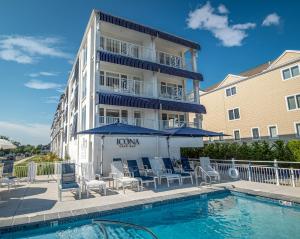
(5, 144)
(119, 129)
(185, 131)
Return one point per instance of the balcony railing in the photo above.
(122, 85)
(142, 122)
(140, 52)
(173, 123)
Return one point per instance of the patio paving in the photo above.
(39, 201)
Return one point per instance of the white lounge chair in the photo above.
(120, 177)
(159, 170)
(89, 180)
(6, 174)
(208, 169)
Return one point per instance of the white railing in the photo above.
(142, 122)
(125, 48)
(48, 169)
(174, 93)
(261, 171)
(172, 123)
(122, 85)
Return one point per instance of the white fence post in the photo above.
(276, 172)
(292, 177)
(249, 172)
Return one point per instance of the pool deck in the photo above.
(38, 202)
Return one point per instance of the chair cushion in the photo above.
(185, 174)
(95, 183)
(146, 178)
(69, 185)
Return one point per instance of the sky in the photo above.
(39, 40)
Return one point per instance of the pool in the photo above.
(213, 216)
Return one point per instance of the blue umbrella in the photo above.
(185, 131)
(120, 129)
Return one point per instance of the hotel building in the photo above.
(129, 73)
(262, 103)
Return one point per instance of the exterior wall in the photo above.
(262, 103)
(87, 148)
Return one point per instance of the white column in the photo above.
(196, 84)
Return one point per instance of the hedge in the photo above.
(248, 151)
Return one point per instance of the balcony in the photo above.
(114, 82)
(128, 49)
(141, 122)
(174, 123)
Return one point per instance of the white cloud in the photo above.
(26, 133)
(222, 9)
(28, 49)
(271, 19)
(43, 73)
(206, 18)
(42, 85)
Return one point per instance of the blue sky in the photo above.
(38, 40)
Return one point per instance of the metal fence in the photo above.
(47, 169)
(261, 171)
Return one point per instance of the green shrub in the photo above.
(294, 147)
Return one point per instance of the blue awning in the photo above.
(146, 65)
(182, 106)
(147, 30)
(122, 129)
(126, 100)
(192, 132)
(149, 103)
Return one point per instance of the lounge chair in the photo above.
(208, 169)
(6, 174)
(158, 170)
(68, 180)
(135, 171)
(121, 177)
(89, 179)
(185, 165)
(169, 166)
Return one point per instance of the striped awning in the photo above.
(149, 103)
(146, 65)
(147, 30)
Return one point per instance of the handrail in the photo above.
(199, 168)
(248, 161)
(103, 222)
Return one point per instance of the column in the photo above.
(196, 84)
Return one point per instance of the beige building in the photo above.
(259, 104)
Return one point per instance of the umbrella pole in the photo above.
(101, 155)
(168, 143)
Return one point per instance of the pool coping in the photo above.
(56, 218)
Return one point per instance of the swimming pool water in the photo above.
(216, 216)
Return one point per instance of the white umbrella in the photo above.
(5, 144)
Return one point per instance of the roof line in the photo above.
(146, 29)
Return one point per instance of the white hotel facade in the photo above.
(126, 72)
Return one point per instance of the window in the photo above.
(84, 86)
(101, 115)
(83, 118)
(297, 126)
(290, 72)
(273, 132)
(171, 90)
(231, 91)
(172, 120)
(293, 102)
(255, 133)
(102, 79)
(84, 55)
(234, 114)
(124, 116)
(137, 118)
(236, 134)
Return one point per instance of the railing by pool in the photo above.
(261, 171)
(46, 169)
